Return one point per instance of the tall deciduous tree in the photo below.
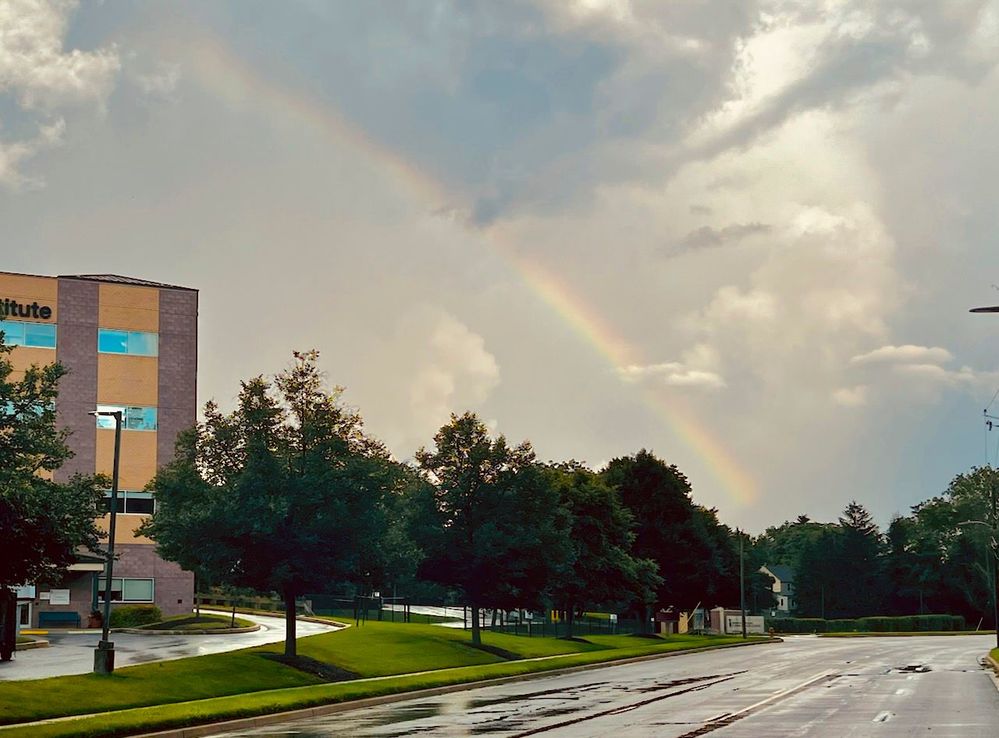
(600, 568)
(285, 494)
(488, 523)
(685, 541)
(42, 522)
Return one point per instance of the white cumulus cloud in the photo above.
(673, 374)
(43, 77)
(455, 373)
(907, 354)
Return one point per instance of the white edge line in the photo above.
(772, 698)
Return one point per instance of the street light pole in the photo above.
(994, 523)
(104, 653)
(742, 584)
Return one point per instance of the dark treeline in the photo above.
(938, 559)
(289, 494)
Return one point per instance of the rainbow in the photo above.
(229, 77)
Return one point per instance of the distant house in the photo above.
(784, 591)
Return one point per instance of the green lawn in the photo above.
(204, 621)
(372, 650)
(24, 639)
(380, 649)
(147, 719)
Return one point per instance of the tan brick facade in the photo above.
(79, 307)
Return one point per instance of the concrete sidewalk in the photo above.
(72, 652)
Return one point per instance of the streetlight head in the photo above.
(990, 309)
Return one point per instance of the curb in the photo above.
(991, 663)
(198, 731)
(38, 643)
(214, 631)
(336, 625)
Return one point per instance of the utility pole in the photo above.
(742, 582)
(995, 561)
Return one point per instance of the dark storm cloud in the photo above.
(707, 237)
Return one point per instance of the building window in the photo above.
(129, 590)
(35, 335)
(130, 503)
(133, 418)
(134, 343)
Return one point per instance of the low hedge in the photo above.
(875, 624)
(132, 616)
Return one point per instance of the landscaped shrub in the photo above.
(797, 625)
(874, 624)
(132, 616)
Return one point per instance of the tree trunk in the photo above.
(8, 623)
(476, 636)
(644, 629)
(494, 619)
(290, 645)
(570, 615)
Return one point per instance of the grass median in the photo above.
(147, 719)
(252, 682)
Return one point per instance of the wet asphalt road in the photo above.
(73, 653)
(807, 686)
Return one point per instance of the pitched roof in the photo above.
(118, 279)
(783, 573)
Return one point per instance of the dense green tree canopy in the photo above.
(489, 521)
(285, 494)
(600, 569)
(42, 522)
(694, 553)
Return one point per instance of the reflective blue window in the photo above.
(13, 332)
(140, 418)
(42, 335)
(133, 418)
(134, 343)
(112, 342)
(37, 335)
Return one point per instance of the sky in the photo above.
(743, 235)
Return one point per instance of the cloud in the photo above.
(907, 354)
(44, 78)
(707, 237)
(851, 396)
(34, 66)
(13, 154)
(159, 82)
(965, 377)
(455, 373)
(673, 374)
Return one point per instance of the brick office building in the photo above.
(129, 345)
